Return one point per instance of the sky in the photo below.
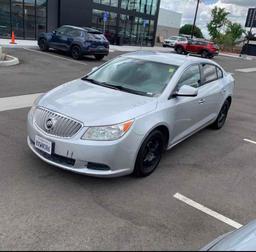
(238, 10)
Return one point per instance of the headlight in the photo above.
(107, 133)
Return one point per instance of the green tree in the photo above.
(187, 29)
(234, 31)
(218, 22)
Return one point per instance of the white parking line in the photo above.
(207, 210)
(56, 56)
(247, 70)
(249, 141)
(17, 102)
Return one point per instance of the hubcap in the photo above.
(75, 52)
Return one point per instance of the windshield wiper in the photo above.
(104, 84)
(117, 87)
(128, 90)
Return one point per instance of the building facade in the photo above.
(167, 26)
(132, 22)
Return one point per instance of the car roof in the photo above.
(166, 58)
(86, 29)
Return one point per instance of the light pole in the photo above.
(193, 27)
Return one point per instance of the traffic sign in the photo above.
(145, 23)
(251, 18)
(105, 16)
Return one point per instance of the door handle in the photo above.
(202, 101)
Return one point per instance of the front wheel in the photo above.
(179, 50)
(43, 45)
(150, 154)
(221, 119)
(99, 57)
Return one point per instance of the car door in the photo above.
(187, 112)
(60, 38)
(212, 91)
(192, 46)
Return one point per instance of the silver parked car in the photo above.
(243, 239)
(120, 117)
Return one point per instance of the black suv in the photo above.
(78, 41)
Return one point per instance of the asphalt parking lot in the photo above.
(43, 207)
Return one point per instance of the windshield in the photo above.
(129, 74)
(173, 38)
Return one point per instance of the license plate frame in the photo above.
(44, 145)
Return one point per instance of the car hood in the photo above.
(95, 105)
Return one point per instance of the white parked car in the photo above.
(171, 42)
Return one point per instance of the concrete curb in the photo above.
(11, 61)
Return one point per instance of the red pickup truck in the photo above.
(205, 48)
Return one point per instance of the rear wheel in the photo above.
(99, 57)
(76, 52)
(150, 154)
(221, 119)
(43, 45)
(204, 54)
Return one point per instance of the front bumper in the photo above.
(168, 44)
(75, 154)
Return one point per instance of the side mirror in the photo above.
(187, 91)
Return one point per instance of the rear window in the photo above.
(97, 36)
(209, 73)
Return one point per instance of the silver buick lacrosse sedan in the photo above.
(123, 115)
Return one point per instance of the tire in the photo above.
(76, 52)
(179, 50)
(99, 57)
(43, 45)
(204, 54)
(150, 154)
(222, 116)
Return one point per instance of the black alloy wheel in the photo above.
(76, 52)
(150, 154)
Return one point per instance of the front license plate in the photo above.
(43, 145)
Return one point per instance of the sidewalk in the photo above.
(33, 43)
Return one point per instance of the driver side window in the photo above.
(62, 30)
(191, 77)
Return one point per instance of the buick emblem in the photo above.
(49, 124)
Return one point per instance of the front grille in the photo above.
(55, 124)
